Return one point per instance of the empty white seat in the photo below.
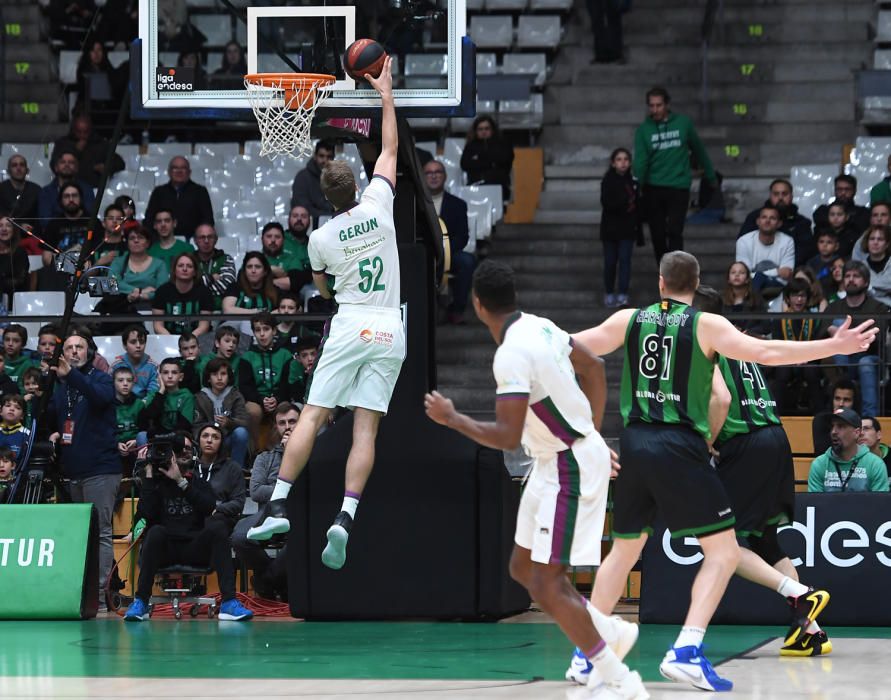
(229, 245)
(426, 64)
(109, 346)
(117, 58)
(258, 209)
(533, 63)
(224, 149)
(492, 32)
(217, 28)
(84, 304)
(506, 5)
(159, 347)
(474, 5)
(883, 26)
(813, 185)
(30, 151)
(35, 262)
(129, 152)
(246, 244)
(252, 148)
(538, 31)
(485, 194)
(486, 64)
(169, 150)
(881, 59)
(429, 146)
(38, 304)
(167, 58)
(68, 66)
(234, 175)
(559, 5)
(522, 114)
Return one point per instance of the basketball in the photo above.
(364, 57)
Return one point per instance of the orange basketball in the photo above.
(364, 57)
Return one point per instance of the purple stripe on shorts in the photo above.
(516, 396)
(561, 511)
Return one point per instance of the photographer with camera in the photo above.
(82, 415)
(176, 505)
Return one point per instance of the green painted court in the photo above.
(37, 657)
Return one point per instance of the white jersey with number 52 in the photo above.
(358, 247)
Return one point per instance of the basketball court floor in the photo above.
(200, 658)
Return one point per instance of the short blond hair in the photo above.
(338, 184)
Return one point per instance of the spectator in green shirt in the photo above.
(847, 466)
(166, 247)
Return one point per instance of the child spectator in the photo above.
(188, 359)
(837, 286)
(13, 435)
(300, 371)
(816, 301)
(785, 381)
(221, 403)
(32, 381)
(620, 197)
(289, 333)
(127, 410)
(172, 407)
(225, 346)
(7, 386)
(47, 340)
(740, 297)
(17, 358)
(112, 244)
(145, 371)
(7, 470)
(845, 230)
(821, 263)
(266, 384)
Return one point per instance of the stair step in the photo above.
(32, 112)
(25, 12)
(27, 70)
(31, 91)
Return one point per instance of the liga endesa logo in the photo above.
(178, 79)
(366, 336)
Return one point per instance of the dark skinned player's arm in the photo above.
(590, 371)
(504, 434)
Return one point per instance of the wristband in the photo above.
(182, 483)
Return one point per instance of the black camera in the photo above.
(163, 447)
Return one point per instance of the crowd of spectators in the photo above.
(233, 399)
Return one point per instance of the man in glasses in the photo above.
(216, 267)
(453, 211)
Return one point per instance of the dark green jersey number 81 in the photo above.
(370, 271)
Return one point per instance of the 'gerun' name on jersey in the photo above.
(357, 229)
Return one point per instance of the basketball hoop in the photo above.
(284, 105)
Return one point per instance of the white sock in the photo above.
(690, 637)
(281, 490)
(350, 503)
(605, 625)
(789, 587)
(813, 628)
(607, 663)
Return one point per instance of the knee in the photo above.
(545, 585)
(727, 557)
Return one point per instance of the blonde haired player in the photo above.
(359, 361)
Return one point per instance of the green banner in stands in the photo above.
(48, 561)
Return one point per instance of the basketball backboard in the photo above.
(182, 44)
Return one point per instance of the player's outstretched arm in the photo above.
(504, 434)
(386, 162)
(608, 336)
(716, 333)
(591, 373)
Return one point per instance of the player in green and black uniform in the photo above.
(670, 351)
(755, 465)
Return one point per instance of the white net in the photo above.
(284, 107)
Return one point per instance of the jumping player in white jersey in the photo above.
(361, 355)
(547, 391)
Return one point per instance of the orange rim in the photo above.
(299, 88)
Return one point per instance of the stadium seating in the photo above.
(217, 28)
(812, 185)
(532, 63)
(38, 304)
(492, 32)
(538, 31)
